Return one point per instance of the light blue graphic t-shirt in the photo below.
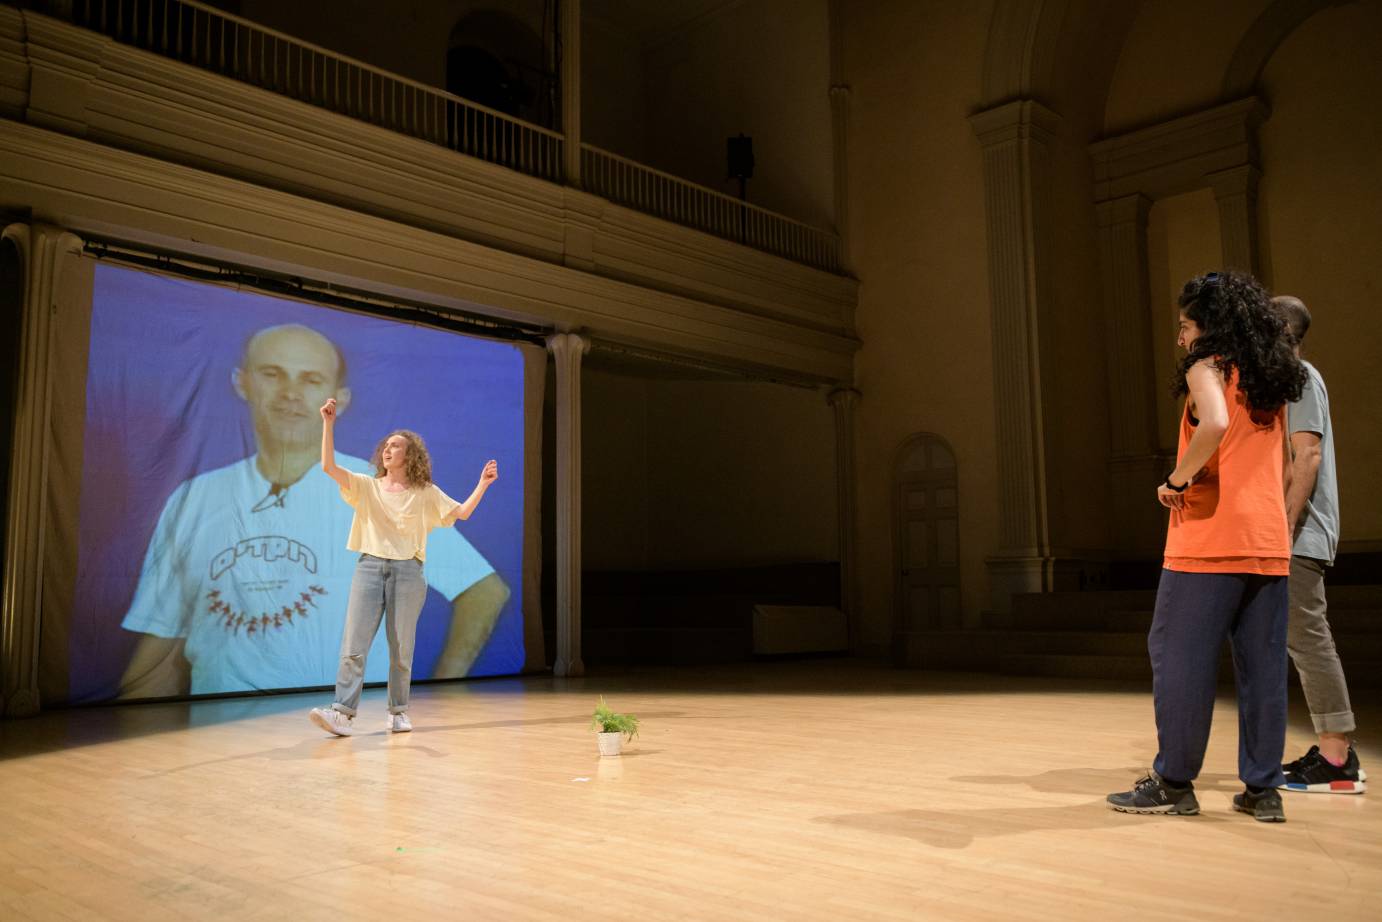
(257, 580)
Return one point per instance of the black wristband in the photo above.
(1171, 486)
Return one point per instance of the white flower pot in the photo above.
(610, 743)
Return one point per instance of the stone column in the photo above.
(568, 349)
(1236, 192)
(1135, 462)
(43, 252)
(1016, 139)
(843, 401)
(571, 91)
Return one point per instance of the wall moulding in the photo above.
(135, 199)
(141, 103)
(1178, 155)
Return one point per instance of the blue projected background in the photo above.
(194, 533)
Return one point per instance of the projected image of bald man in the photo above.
(245, 580)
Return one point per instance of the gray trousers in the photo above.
(1311, 645)
(393, 590)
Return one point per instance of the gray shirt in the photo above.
(1317, 530)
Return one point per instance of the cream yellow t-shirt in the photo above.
(393, 525)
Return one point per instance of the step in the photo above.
(1091, 654)
(1369, 597)
(1078, 619)
(1359, 646)
(669, 645)
(1038, 605)
(1078, 643)
(1078, 667)
(1361, 670)
(1362, 674)
(1343, 621)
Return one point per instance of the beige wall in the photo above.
(614, 471)
(740, 473)
(918, 243)
(760, 67)
(669, 98)
(685, 474)
(1072, 330)
(1174, 58)
(1182, 242)
(1320, 199)
(919, 248)
(1321, 226)
(918, 240)
(612, 87)
(407, 38)
(665, 98)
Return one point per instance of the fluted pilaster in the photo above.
(1017, 139)
(568, 350)
(43, 253)
(1235, 191)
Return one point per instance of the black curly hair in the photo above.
(1239, 329)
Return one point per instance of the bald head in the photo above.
(297, 340)
(286, 373)
(1296, 314)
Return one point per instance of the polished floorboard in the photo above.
(811, 789)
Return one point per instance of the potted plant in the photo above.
(612, 728)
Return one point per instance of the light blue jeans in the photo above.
(393, 590)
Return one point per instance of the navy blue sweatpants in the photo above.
(1194, 613)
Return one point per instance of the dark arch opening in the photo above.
(498, 61)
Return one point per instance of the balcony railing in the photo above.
(207, 38)
(666, 196)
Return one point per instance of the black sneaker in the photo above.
(1312, 773)
(1298, 764)
(1152, 795)
(1264, 807)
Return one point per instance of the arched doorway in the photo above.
(499, 61)
(927, 536)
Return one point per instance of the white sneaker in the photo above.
(333, 721)
(398, 723)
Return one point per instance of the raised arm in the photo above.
(338, 474)
(463, 510)
(158, 668)
(473, 616)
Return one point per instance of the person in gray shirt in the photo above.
(1312, 511)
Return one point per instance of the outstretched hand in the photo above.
(490, 474)
(329, 410)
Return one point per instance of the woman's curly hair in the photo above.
(1240, 330)
(418, 463)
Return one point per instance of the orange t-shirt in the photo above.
(1234, 518)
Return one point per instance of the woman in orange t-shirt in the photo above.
(1227, 548)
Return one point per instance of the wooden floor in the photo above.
(824, 789)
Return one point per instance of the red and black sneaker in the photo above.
(1312, 773)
